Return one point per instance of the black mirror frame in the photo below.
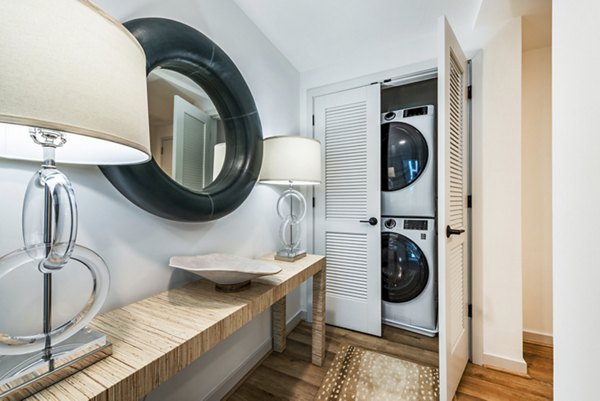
(181, 48)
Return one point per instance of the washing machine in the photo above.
(409, 274)
(408, 162)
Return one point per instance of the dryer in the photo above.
(408, 162)
(409, 274)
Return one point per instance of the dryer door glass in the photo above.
(404, 155)
(404, 268)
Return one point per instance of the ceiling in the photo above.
(163, 86)
(314, 34)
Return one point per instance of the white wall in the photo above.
(137, 245)
(497, 200)
(537, 192)
(576, 198)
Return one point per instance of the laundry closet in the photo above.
(408, 206)
(391, 217)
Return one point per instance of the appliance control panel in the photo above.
(415, 225)
(398, 115)
(415, 111)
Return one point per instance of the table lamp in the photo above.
(291, 160)
(73, 90)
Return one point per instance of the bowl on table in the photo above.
(230, 273)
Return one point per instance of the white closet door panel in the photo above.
(190, 159)
(192, 141)
(452, 211)
(347, 124)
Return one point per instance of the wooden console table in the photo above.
(157, 337)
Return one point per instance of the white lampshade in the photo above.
(291, 159)
(67, 66)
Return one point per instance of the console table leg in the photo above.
(278, 325)
(318, 315)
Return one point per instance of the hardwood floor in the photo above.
(480, 383)
(291, 376)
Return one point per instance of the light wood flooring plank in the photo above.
(291, 376)
(281, 386)
(521, 384)
(466, 397)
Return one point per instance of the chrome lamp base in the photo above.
(26, 374)
(288, 255)
(290, 225)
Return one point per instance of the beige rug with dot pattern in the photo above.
(363, 375)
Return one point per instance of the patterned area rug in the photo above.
(361, 375)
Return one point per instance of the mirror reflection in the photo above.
(186, 134)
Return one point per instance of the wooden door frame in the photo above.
(476, 218)
(162, 153)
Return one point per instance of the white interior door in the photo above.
(452, 210)
(348, 125)
(166, 154)
(193, 141)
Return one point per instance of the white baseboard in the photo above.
(509, 364)
(536, 337)
(234, 377)
(294, 321)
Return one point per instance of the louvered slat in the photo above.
(456, 207)
(456, 280)
(346, 161)
(456, 159)
(346, 264)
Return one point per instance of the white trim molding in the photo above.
(504, 363)
(229, 382)
(530, 336)
(294, 321)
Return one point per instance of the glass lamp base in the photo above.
(24, 375)
(288, 255)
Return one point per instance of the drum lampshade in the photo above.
(69, 67)
(291, 159)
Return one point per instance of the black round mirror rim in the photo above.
(179, 47)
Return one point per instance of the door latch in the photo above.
(372, 221)
(452, 231)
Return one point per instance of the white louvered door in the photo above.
(452, 211)
(347, 124)
(193, 135)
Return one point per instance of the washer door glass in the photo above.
(404, 155)
(404, 268)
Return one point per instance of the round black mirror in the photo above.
(206, 136)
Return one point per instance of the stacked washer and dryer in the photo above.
(408, 239)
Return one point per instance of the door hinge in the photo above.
(469, 202)
(313, 120)
(470, 311)
(469, 92)
(313, 201)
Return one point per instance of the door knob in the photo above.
(451, 231)
(372, 221)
